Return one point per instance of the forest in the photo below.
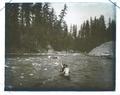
(35, 28)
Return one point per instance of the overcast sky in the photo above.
(77, 13)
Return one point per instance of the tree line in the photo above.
(93, 33)
(36, 28)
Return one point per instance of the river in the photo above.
(42, 73)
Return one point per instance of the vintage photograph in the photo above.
(57, 46)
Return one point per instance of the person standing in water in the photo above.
(65, 71)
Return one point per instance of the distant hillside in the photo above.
(105, 49)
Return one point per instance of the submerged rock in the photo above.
(21, 77)
(45, 69)
(31, 74)
(53, 57)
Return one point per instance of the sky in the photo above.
(77, 13)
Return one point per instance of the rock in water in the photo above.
(56, 63)
(45, 69)
(31, 74)
(21, 77)
(53, 57)
(49, 56)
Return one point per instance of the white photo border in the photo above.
(2, 53)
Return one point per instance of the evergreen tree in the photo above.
(12, 38)
(35, 27)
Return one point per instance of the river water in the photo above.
(42, 72)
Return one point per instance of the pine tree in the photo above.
(12, 38)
